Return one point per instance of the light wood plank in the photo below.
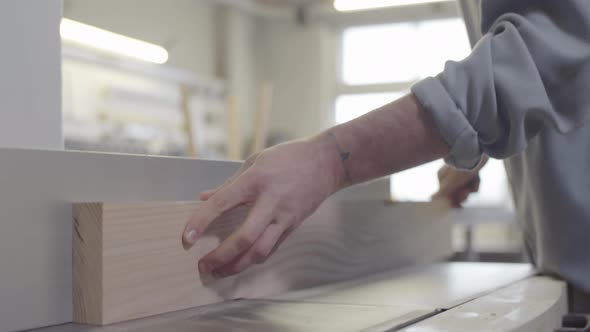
(145, 270)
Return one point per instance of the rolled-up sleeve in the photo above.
(530, 72)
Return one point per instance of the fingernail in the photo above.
(190, 237)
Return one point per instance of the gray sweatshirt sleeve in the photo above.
(531, 71)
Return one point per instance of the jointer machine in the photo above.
(91, 242)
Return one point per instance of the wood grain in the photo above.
(87, 257)
(145, 270)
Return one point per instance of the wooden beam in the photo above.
(130, 263)
(234, 138)
(191, 138)
(261, 124)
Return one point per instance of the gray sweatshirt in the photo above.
(523, 95)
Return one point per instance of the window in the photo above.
(379, 64)
(401, 52)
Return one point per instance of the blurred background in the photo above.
(221, 79)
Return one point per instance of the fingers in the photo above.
(222, 201)
(442, 172)
(460, 197)
(256, 254)
(241, 240)
(205, 195)
(475, 183)
(455, 185)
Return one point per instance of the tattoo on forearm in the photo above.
(344, 156)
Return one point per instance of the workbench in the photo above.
(433, 297)
(415, 289)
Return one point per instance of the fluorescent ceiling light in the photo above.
(111, 42)
(350, 5)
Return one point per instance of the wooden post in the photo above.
(234, 144)
(262, 118)
(185, 95)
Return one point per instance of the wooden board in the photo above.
(143, 270)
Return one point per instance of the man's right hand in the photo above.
(282, 185)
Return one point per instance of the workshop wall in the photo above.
(183, 27)
(296, 59)
(30, 67)
(206, 39)
(238, 35)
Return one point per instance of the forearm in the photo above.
(395, 137)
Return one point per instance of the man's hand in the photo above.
(282, 185)
(456, 185)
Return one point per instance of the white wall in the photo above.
(30, 60)
(183, 27)
(239, 65)
(298, 60)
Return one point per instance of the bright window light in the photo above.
(379, 54)
(494, 190)
(350, 5)
(419, 183)
(401, 52)
(416, 184)
(90, 36)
